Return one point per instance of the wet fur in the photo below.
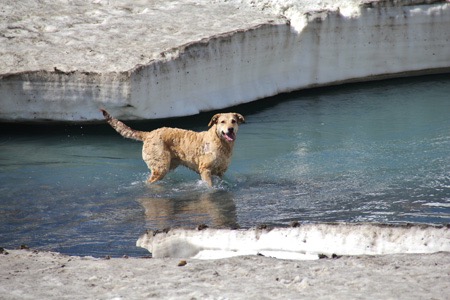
(208, 152)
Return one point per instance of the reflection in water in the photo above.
(215, 209)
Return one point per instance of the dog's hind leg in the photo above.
(158, 168)
(157, 160)
(156, 175)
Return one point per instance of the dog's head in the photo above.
(227, 125)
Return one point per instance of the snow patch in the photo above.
(309, 241)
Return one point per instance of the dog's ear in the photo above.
(214, 120)
(240, 118)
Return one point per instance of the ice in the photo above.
(158, 59)
(307, 241)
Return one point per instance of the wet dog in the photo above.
(208, 152)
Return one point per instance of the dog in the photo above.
(208, 152)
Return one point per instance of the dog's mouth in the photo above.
(230, 136)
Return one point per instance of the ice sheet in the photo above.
(308, 241)
(157, 59)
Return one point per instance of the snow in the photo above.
(306, 242)
(158, 59)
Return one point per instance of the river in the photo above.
(367, 152)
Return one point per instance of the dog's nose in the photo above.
(231, 129)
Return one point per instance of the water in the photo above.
(371, 152)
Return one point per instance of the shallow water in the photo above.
(369, 152)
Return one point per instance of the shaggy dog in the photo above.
(208, 152)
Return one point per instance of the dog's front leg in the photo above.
(206, 176)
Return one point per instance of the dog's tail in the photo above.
(123, 129)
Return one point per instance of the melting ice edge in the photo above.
(307, 241)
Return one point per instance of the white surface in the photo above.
(156, 59)
(304, 242)
(45, 275)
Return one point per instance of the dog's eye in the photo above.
(223, 122)
(233, 121)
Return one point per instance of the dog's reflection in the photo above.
(215, 209)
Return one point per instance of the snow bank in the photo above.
(158, 59)
(304, 242)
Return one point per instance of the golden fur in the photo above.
(208, 152)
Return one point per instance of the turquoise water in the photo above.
(368, 152)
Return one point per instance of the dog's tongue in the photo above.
(230, 136)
